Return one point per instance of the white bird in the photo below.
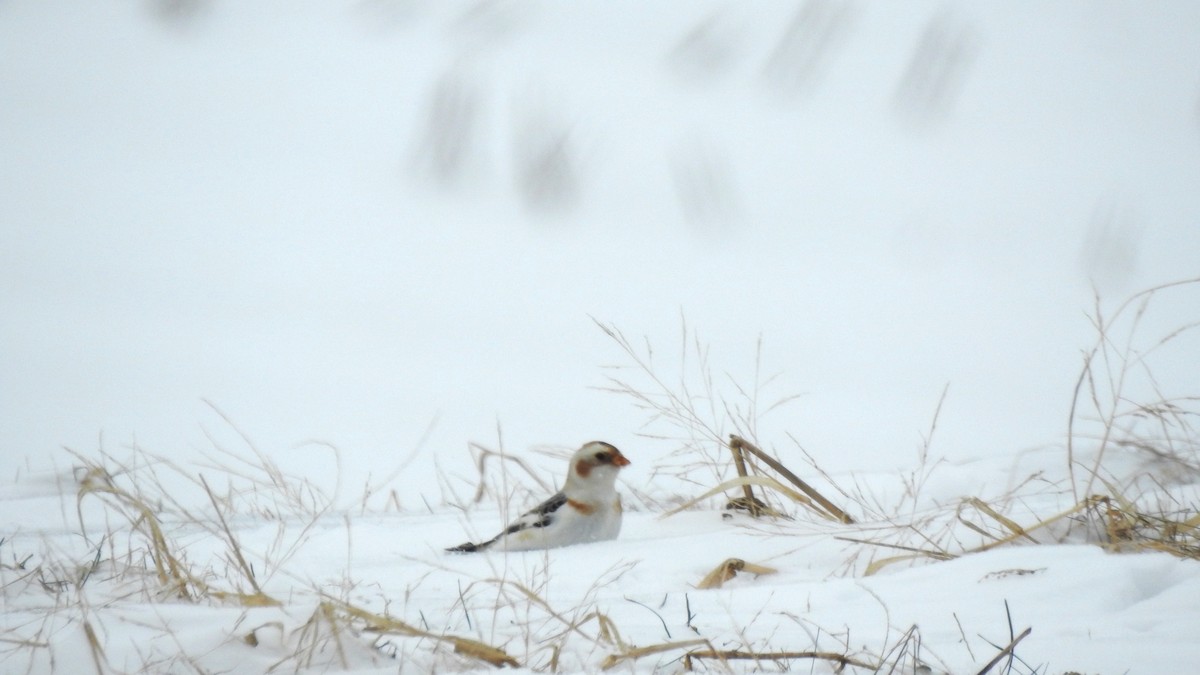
(587, 508)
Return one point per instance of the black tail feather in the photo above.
(466, 548)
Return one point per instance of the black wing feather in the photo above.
(545, 511)
(545, 515)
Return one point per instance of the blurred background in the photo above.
(390, 226)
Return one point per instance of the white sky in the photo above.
(237, 207)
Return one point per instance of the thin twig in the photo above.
(247, 571)
(642, 604)
(1006, 651)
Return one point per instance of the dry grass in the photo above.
(1118, 405)
(133, 513)
(729, 569)
(690, 411)
(133, 519)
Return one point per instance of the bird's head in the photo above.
(594, 467)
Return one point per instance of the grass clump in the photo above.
(1130, 481)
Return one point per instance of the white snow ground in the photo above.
(387, 225)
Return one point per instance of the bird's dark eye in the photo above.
(601, 456)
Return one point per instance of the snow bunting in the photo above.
(587, 508)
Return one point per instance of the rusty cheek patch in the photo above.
(585, 509)
(583, 468)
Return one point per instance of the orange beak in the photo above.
(620, 460)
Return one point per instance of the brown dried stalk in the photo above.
(841, 659)
(737, 444)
